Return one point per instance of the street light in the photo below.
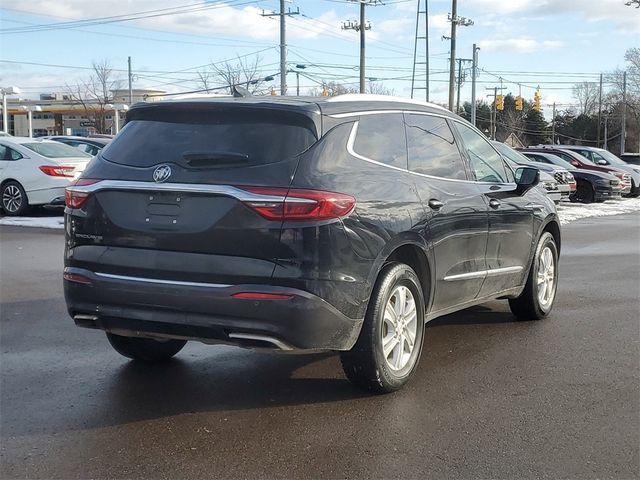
(301, 66)
(7, 91)
(30, 109)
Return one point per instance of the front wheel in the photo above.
(390, 343)
(145, 349)
(538, 296)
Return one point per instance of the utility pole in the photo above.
(474, 72)
(623, 134)
(599, 111)
(460, 79)
(455, 21)
(425, 12)
(495, 113)
(283, 42)
(606, 121)
(130, 83)
(553, 125)
(361, 27)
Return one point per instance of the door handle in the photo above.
(435, 204)
(493, 203)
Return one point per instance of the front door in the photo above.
(455, 211)
(510, 214)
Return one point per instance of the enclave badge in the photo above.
(161, 173)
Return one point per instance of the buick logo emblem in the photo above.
(161, 173)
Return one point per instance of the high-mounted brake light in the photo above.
(299, 205)
(74, 197)
(57, 171)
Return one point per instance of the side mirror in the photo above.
(526, 178)
(602, 162)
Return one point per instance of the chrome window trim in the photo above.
(352, 152)
(494, 272)
(160, 281)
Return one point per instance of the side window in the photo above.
(538, 158)
(8, 154)
(432, 148)
(381, 137)
(486, 164)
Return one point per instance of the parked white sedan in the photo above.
(36, 172)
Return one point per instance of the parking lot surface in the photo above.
(492, 397)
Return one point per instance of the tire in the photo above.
(365, 364)
(532, 304)
(14, 199)
(584, 193)
(145, 349)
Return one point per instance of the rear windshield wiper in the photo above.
(214, 159)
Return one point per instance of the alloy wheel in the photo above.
(12, 199)
(399, 328)
(546, 278)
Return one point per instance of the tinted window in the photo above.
(537, 158)
(431, 147)
(485, 162)
(381, 138)
(179, 136)
(9, 154)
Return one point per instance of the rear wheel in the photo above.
(145, 349)
(538, 296)
(14, 199)
(390, 343)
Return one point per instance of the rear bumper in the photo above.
(208, 312)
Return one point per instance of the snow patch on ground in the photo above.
(568, 212)
(40, 222)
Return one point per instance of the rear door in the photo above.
(181, 187)
(455, 211)
(510, 214)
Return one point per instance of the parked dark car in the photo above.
(302, 224)
(600, 156)
(583, 163)
(565, 180)
(592, 186)
(631, 158)
(92, 146)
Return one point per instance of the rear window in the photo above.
(230, 137)
(54, 150)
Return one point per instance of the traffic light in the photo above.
(499, 102)
(536, 101)
(519, 103)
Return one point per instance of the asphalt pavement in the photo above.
(493, 397)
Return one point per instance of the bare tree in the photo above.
(587, 94)
(332, 89)
(205, 80)
(244, 73)
(95, 93)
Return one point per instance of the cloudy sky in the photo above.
(526, 43)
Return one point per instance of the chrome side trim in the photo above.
(494, 272)
(160, 281)
(262, 338)
(226, 190)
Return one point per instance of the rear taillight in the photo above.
(75, 278)
(75, 197)
(57, 171)
(299, 205)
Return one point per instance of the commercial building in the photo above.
(61, 115)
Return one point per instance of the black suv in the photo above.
(338, 223)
